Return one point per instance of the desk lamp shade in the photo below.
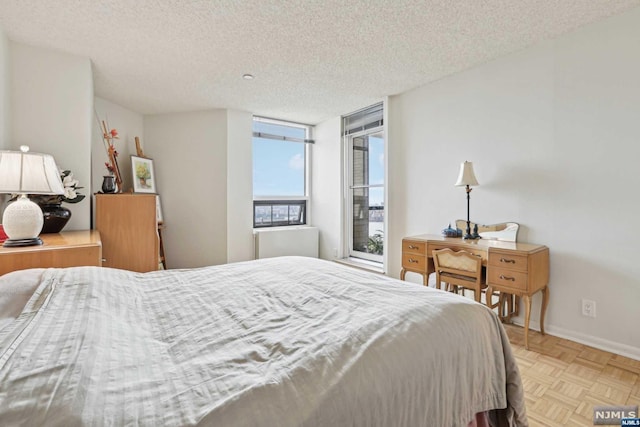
(22, 173)
(466, 178)
(466, 175)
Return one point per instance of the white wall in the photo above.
(553, 133)
(189, 151)
(326, 184)
(4, 100)
(51, 104)
(239, 186)
(129, 124)
(52, 109)
(4, 90)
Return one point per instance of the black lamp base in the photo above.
(471, 236)
(475, 234)
(14, 243)
(467, 232)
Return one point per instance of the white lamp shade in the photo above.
(29, 173)
(25, 173)
(466, 175)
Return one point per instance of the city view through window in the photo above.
(279, 213)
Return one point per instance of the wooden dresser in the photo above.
(66, 249)
(129, 230)
(520, 269)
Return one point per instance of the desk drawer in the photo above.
(508, 261)
(413, 246)
(507, 279)
(414, 262)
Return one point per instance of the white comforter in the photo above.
(276, 342)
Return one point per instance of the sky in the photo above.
(278, 166)
(376, 170)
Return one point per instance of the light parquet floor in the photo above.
(564, 380)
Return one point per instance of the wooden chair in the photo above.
(459, 269)
(508, 232)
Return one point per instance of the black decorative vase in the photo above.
(108, 184)
(56, 217)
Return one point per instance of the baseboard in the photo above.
(599, 343)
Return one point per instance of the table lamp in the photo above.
(23, 173)
(467, 178)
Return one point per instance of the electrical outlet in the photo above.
(588, 308)
(335, 252)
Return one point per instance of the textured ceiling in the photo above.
(311, 59)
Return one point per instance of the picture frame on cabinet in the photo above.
(144, 180)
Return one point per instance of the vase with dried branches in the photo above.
(108, 137)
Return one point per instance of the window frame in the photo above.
(302, 217)
(274, 199)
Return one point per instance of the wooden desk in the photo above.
(66, 249)
(520, 269)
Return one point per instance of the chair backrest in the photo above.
(461, 262)
(459, 269)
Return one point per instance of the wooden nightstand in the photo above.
(66, 249)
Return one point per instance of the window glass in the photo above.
(278, 165)
(273, 213)
(262, 215)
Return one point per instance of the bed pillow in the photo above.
(15, 290)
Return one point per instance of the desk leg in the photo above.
(508, 299)
(488, 296)
(527, 317)
(543, 309)
(425, 276)
(430, 269)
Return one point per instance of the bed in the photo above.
(287, 341)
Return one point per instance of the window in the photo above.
(364, 137)
(280, 189)
(275, 213)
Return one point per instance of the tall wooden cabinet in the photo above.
(129, 231)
